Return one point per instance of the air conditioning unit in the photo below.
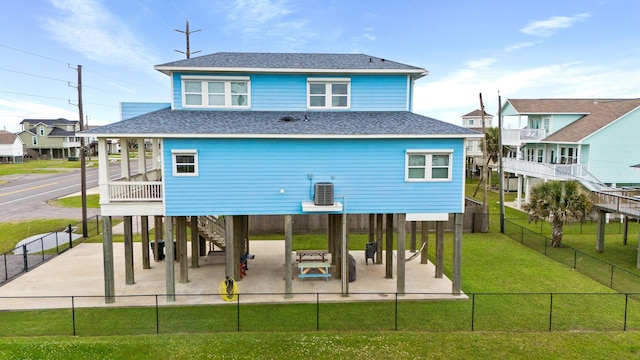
(323, 194)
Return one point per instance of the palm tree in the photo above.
(560, 202)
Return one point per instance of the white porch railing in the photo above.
(553, 172)
(135, 191)
(519, 136)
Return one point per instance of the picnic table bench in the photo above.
(321, 270)
(311, 255)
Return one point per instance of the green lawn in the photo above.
(42, 166)
(492, 264)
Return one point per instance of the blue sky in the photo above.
(522, 49)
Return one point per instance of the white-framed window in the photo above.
(41, 128)
(328, 93)
(216, 92)
(185, 162)
(428, 165)
(471, 122)
(34, 140)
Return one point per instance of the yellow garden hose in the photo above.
(228, 289)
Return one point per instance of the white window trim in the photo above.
(205, 96)
(328, 81)
(428, 165)
(41, 130)
(174, 164)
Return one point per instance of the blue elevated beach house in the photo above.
(287, 134)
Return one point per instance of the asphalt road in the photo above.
(26, 196)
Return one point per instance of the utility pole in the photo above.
(83, 169)
(501, 169)
(187, 34)
(484, 225)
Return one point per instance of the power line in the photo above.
(34, 75)
(34, 54)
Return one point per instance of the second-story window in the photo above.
(41, 128)
(216, 92)
(328, 93)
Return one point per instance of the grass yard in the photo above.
(511, 285)
(42, 166)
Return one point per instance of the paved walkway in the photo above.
(78, 273)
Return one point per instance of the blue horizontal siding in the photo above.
(246, 176)
(130, 109)
(289, 91)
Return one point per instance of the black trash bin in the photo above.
(161, 254)
(370, 252)
(352, 268)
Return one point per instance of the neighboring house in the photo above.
(473, 120)
(50, 138)
(11, 148)
(591, 140)
(284, 134)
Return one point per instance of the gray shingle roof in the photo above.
(50, 122)
(291, 61)
(194, 123)
(598, 113)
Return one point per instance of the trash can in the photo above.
(352, 268)
(370, 252)
(161, 245)
(160, 249)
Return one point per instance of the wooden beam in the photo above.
(157, 235)
(625, 233)
(181, 239)
(107, 255)
(345, 256)
(170, 275)
(288, 262)
(389, 247)
(457, 254)
(128, 250)
(379, 225)
(144, 228)
(230, 267)
(195, 243)
(412, 246)
(424, 239)
(401, 251)
(439, 248)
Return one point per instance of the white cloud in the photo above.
(519, 46)
(451, 96)
(19, 110)
(480, 63)
(546, 28)
(88, 27)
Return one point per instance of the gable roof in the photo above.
(7, 137)
(291, 62)
(50, 122)
(169, 123)
(477, 113)
(598, 113)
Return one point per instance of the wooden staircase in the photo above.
(212, 229)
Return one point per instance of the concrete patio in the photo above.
(77, 276)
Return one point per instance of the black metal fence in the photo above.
(30, 254)
(602, 271)
(150, 314)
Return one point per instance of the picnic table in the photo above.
(320, 270)
(311, 255)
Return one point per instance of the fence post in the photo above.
(57, 249)
(575, 259)
(473, 311)
(550, 310)
(97, 226)
(24, 257)
(396, 320)
(521, 234)
(611, 280)
(73, 314)
(238, 302)
(6, 269)
(42, 248)
(157, 317)
(626, 307)
(70, 237)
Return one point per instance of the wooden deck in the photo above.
(625, 202)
